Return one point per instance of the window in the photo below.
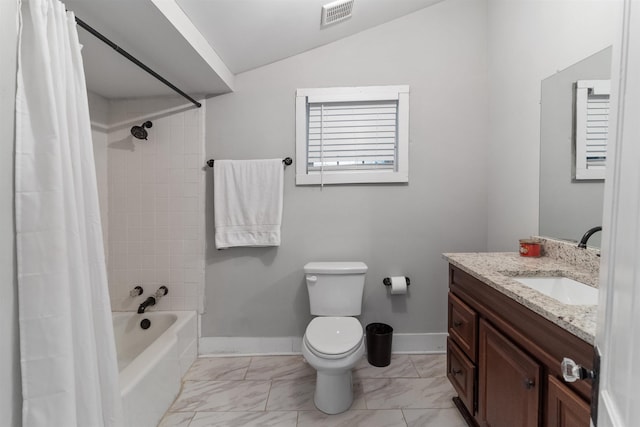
(352, 135)
(592, 128)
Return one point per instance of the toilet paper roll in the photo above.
(398, 285)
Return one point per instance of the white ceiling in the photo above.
(245, 34)
(250, 33)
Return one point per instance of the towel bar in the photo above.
(287, 161)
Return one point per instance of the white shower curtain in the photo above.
(68, 359)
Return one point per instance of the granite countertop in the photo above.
(499, 268)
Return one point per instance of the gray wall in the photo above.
(10, 385)
(529, 40)
(568, 208)
(395, 229)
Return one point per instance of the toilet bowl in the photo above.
(333, 346)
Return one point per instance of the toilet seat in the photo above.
(333, 337)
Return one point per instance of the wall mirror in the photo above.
(568, 207)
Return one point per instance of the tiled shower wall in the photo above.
(156, 203)
(99, 109)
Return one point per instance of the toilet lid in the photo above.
(334, 335)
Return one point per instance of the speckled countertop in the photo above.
(498, 270)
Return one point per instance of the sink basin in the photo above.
(562, 289)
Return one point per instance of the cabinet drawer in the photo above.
(463, 324)
(462, 373)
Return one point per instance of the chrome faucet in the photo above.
(587, 235)
(162, 291)
(136, 291)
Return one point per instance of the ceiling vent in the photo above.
(336, 11)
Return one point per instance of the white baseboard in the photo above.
(248, 346)
(262, 346)
(435, 343)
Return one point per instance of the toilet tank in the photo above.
(335, 288)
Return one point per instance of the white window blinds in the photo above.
(592, 128)
(352, 135)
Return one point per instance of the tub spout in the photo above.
(147, 303)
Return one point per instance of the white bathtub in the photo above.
(153, 361)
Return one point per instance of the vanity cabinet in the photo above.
(503, 360)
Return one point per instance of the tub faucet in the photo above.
(137, 291)
(587, 235)
(147, 303)
(162, 291)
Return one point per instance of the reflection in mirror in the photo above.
(591, 131)
(568, 207)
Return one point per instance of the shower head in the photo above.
(139, 131)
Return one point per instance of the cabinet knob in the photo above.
(572, 372)
(529, 383)
(457, 323)
(456, 372)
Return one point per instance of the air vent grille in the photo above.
(336, 11)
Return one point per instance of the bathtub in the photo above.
(153, 361)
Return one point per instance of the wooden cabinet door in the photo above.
(564, 407)
(508, 382)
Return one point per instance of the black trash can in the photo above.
(379, 337)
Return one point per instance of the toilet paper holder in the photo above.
(387, 281)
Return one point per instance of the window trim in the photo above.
(353, 94)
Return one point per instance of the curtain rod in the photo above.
(287, 161)
(134, 60)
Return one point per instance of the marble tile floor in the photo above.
(264, 391)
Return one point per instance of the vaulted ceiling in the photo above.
(200, 45)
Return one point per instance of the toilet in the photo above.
(334, 340)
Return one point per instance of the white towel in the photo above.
(248, 196)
